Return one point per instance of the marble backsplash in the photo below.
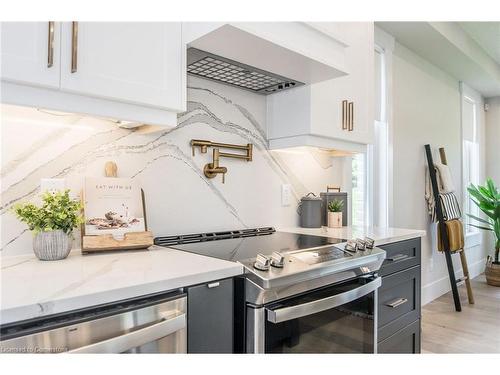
(179, 199)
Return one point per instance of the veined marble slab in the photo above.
(380, 235)
(32, 288)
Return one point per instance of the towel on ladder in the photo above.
(450, 206)
(444, 180)
(445, 186)
(455, 231)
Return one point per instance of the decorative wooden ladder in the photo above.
(444, 235)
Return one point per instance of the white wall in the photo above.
(426, 109)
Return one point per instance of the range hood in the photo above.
(226, 71)
(263, 57)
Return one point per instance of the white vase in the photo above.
(52, 245)
(334, 219)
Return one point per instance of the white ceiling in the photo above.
(469, 51)
(486, 34)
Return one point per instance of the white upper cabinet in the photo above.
(30, 53)
(313, 115)
(136, 62)
(129, 71)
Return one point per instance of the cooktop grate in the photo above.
(222, 70)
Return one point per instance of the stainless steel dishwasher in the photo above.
(152, 324)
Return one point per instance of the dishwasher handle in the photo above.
(292, 312)
(136, 338)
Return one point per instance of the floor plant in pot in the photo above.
(335, 213)
(52, 223)
(487, 198)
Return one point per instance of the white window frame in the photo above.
(384, 44)
(473, 236)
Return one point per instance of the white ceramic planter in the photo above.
(52, 245)
(334, 219)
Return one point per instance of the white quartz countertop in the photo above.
(380, 235)
(32, 288)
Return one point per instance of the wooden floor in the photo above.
(476, 329)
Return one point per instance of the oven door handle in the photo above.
(293, 312)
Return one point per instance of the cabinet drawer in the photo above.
(210, 317)
(398, 301)
(406, 341)
(400, 255)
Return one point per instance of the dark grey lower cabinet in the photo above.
(210, 317)
(406, 340)
(399, 307)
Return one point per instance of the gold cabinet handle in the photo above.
(351, 116)
(74, 47)
(344, 114)
(50, 46)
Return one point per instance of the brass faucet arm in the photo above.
(212, 169)
(203, 145)
(215, 158)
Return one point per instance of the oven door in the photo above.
(337, 319)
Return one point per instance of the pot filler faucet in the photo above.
(213, 169)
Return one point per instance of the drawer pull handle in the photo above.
(213, 285)
(397, 302)
(397, 257)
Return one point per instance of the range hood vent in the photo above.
(226, 71)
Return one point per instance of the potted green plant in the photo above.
(335, 213)
(487, 198)
(52, 223)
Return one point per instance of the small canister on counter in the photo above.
(332, 193)
(310, 211)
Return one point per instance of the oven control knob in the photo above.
(277, 260)
(262, 262)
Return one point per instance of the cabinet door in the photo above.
(136, 62)
(405, 341)
(357, 87)
(398, 301)
(30, 53)
(210, 317)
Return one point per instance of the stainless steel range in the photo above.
(302, 293)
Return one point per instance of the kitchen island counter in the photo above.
(31, 288)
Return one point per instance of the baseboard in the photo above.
(441, 286)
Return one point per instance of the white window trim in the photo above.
(385, 42)
(466, 93)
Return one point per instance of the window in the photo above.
(470, 162)
(372, 172)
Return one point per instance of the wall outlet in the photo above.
(286, 194)
(431, 264)
(52, 184)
